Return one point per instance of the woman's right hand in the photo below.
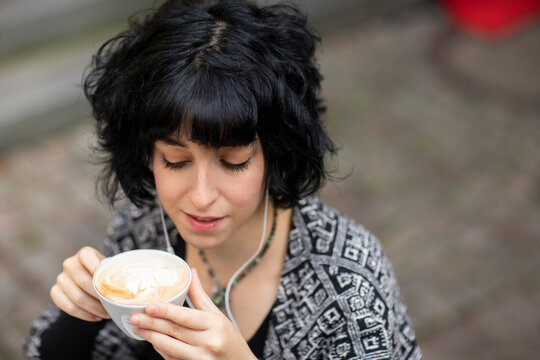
(74, 292)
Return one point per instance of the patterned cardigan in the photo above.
(337, 298)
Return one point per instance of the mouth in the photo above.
(203, 223)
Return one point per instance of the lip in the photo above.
(203, 223)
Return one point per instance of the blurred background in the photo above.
(435, 104)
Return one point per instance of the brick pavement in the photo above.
(445, 173)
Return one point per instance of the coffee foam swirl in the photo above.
(141, 280)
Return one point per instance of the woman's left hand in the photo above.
(179, 332)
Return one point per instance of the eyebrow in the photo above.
(174, 142)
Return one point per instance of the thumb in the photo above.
(199, 298)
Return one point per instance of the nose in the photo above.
(203, 190)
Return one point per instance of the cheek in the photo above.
(166, 185)
(247, 190)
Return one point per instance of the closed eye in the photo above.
(173, 165)
(236, 167)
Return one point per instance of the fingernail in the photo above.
(135, 320)
(151, 309)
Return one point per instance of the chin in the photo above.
(202, 241)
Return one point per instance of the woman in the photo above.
(210, 111)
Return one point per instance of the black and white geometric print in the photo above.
(337, 297)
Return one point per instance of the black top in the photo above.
(256, 343)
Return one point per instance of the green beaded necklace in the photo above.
(218, 293)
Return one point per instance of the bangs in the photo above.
(208, 108)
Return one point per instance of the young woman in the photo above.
(209, 110)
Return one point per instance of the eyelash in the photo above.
(171, 165)
(236, 167)
(181, 164)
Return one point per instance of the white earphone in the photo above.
(239, 271)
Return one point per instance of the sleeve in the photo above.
(57, 335)
(366, 289)
(338, 297)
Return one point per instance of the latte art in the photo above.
(141, 280)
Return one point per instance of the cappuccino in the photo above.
(142, 276)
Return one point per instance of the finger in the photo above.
(63, 302)
(167, 345)
(79, 297)
(80, 275)
(167, 327)
(166, 356)
(199, 298)
(90, 258)
(181, 315)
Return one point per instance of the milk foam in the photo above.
(141, 280)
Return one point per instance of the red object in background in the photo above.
(492, 17)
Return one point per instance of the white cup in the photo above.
(119, 312)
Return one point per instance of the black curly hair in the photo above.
(222, 72)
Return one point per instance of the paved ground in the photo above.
(440, 133)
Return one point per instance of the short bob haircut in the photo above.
(222, 73)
